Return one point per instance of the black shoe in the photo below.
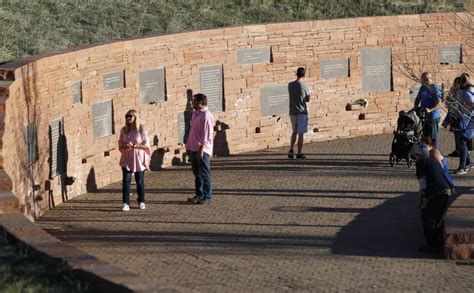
(300, 156)
(290, 154)
(455, 153)
(204, 201)
(194, 199)
(461, 171)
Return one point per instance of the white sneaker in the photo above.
(141, 205)
(125, 207)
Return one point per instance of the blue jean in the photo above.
(202, 175)
(127, 180)
(431, 129)
(433, 219)
(464, 155)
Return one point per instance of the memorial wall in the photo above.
(63, 111)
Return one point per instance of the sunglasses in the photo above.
(129, 116)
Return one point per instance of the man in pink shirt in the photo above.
(199, 148)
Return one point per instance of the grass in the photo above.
(20, 271)
(33, 26)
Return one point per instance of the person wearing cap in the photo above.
(436, 186)
(299, 96)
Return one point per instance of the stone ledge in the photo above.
(459, 252)
(99, 275)
(459, 228)
(8, 202)
(5, 181)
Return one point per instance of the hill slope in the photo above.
(32, 27)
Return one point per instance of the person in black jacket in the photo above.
(436, 187)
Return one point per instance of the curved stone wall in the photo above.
(78, 98)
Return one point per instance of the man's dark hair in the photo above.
(201, 99)
(300, 72)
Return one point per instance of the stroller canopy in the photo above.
(409, 120)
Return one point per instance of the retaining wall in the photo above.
(39, 90)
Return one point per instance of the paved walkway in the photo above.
(341, 220)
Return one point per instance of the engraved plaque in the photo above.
(31, 144)
(152, 86)
(449, 54)
(181, 128)
(254, 55)
(57, 148)
(212, 85)
(113, 81)
(376, 69)
(76, 92)
(274, 100)
(334, 68)
(102, 119)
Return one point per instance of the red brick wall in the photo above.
(41, 91)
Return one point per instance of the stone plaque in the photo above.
(212, 85)
(113, 81)
(152, 86)
(102, 119)
(31, 144)
(181, 128)
(254, 55)
(449, 54)
(76, 92)
(334, 68)
(376, 69)
(274, 100)
(414, 92)
(57, 148)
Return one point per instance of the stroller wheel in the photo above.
(392, 159)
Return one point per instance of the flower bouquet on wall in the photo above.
(357, 104)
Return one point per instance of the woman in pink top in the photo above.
(135, 150)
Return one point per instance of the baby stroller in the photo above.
(406, 137)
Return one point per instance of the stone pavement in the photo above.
(342, 220)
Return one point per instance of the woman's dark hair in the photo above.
(300, 72)
(465, 82)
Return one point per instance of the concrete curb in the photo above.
(99, 275)
(459, 228)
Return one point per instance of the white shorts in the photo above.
(299, 123)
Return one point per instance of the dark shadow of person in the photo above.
(184, 125)
(391, 229)
(58, 158)
(221, 146)
(62, 164)
(156, 160)
(91, 184)
(188, 114)
(184, 129)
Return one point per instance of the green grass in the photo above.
(20, 271)
(34, 26)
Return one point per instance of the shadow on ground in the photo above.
(208, 243)
(391, 229)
